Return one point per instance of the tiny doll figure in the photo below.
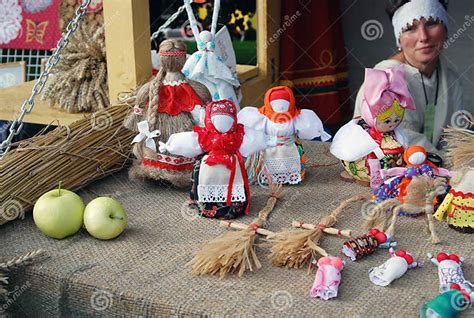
(220, 188)
(169, 103)
(445, 305)
(458, 205)
(205, 66)
(451, 275)
(366, 244)
(281, 118)
(328, 278)
(375, 140)
(417, 164)
(394, 268)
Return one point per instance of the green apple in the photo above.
(105, 218)
(59, 213)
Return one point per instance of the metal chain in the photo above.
(170, 20)
(28, 104)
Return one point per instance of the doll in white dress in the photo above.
(375, 141)
(279, 117)
(220, 188)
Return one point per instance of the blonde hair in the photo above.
(394, 109)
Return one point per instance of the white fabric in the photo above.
(174, 83)
(283, 170)
(218, 193)
(144, 133)
(352, 142)
(255, 141)
(326, 283)
(199, 113)
(415, 10)
(309, 126)
(394, 268)
(417, 158)
(466, 184)
(223, 123)
(182, 144)
(280, 105)
(449, 101)
(450, 272)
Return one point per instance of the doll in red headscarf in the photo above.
(220, 188)
(279, 117)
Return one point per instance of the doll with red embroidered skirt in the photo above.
(399, 178)
(168, 104)
(375, 141)
(280, 117)
(220, 187)
(458, 205)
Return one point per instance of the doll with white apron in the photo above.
(220, 188)
(395, 267)
(279, 117)
(375, 141)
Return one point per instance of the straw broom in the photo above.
(84, 151)
(294, 248)
(234, 251)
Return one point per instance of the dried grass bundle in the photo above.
(294, 248)
(16, 263)
(234, 251)
(84, 151)
(79, 83)
(460, 151)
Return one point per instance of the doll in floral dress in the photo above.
(220, 187)
(375, 141)
(281, 118)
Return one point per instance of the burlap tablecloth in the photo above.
(143, 273)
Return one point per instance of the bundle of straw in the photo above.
(294, 248)
(16, 263)
(234, 251)
(84, 151)
(460, 151)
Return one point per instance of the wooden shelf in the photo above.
(12, 98)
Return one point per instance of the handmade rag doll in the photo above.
(394, 268)
(328, 278)
(451, 275)
(458, 205)
(366, 244)
(220, 188)
(168, 104)
(280, 117)
(205, 66)
(445, 305)
(417, 164)
(375, 141)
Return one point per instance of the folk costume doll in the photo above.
(328, 278)
(366, 244)
(417, 164)
(395, 267)
(446, 305)
(206, 66)
(374, 141)
(220, 188)
(168, 104)
(281, 118)
(458, 205)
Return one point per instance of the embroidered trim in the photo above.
(462, 194)
(174, 83)
(171, 163)
(283, 170)
(218, 193)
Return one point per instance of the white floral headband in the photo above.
(415, 10)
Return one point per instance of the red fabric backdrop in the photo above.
(313, 58)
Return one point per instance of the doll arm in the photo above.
(182, 144)
(392, 172)
(198, 114)
(192, 19)
(309, 126)
(250, 117)
(443, 207)
(432, 259)
(256, 140)
(442, 172)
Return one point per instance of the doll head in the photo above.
(221, 115)
(280, 106)
(331, 260)
(172, 55)
(415, 155)
(386, 95)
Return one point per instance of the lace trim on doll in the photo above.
(283, 170)
(218, 193)
(174, 83)
(283, 178)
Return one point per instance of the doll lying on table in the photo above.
(281, 118)
(220, 188)
(375, 141)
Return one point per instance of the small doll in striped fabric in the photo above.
(366, 244)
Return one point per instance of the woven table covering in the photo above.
(143, 273)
